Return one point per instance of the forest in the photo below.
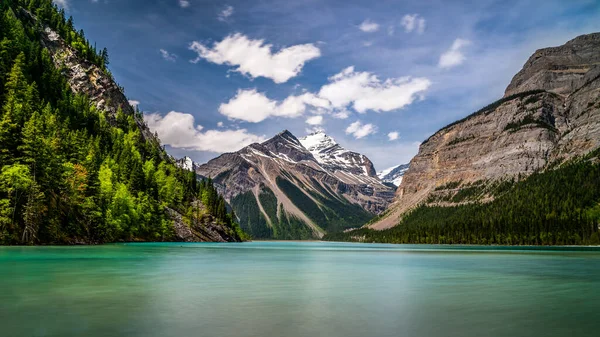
(69, 173)
(560, 206)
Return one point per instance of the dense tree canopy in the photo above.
(67, 174)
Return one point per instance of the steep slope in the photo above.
(350, 167)
(278, 189)
(393, 175)
(550, 114)
(78, 165)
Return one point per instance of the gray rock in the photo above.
(527, 132)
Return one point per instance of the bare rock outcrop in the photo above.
(550, 113)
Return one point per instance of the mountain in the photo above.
(393, 175)
(186, 163)
(523, 169)
(290, 188)
(78, 164)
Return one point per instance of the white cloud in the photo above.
(364, 91)
(343, 114)
(454, 56)
(368, 26)
(168, 56)
(412, 22)
(255, 59)
(61, 3)
(134, 103)
(361, 91)
(253, 106)
(393, 135)
(359, 130)
(220, 124)
(315, 120)
(225, 13)
(184, 3)
(179, 130)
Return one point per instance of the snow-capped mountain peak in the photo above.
(186, 163)
(335, 158)
(393, 174)
(318, 142)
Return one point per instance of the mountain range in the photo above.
(393, 175)
(290, 188)
(522, 170)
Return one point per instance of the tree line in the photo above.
(556, 207)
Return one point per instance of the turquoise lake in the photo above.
(294, 289)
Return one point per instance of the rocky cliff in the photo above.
(550, 113)
(282, 189)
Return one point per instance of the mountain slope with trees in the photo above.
(75, 165)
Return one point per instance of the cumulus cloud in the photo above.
(168, 56)
(253, 106)
(254, 58)
(361, 91)
(359, 130)
(364, 91)
(220, 124)
(393, 135)
(179, 130)
(454, 56)
(412, 22)
(225, 13)
(315, 120)
(184, 3)
(368, 26)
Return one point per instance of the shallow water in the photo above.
(297, 289)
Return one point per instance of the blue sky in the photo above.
(378, 76)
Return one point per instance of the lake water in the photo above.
(294, 289)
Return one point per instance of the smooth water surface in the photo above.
(294, 289)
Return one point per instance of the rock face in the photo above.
(550, 113)
(280, 189)
(335, 158)
(186, 163)
(87, 78)
(393, 175)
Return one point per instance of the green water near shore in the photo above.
(298, 289)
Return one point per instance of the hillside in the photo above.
(78, 165)
(290, 188)
(472, 172)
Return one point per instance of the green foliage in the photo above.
(556, 207)
(328, 212)
(528, 120)
(251, 218)
(67, 174)
(460, 140)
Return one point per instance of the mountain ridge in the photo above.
(548, 116)
(289, 187)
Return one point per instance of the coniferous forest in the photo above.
(70, 173)
(560, 206)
